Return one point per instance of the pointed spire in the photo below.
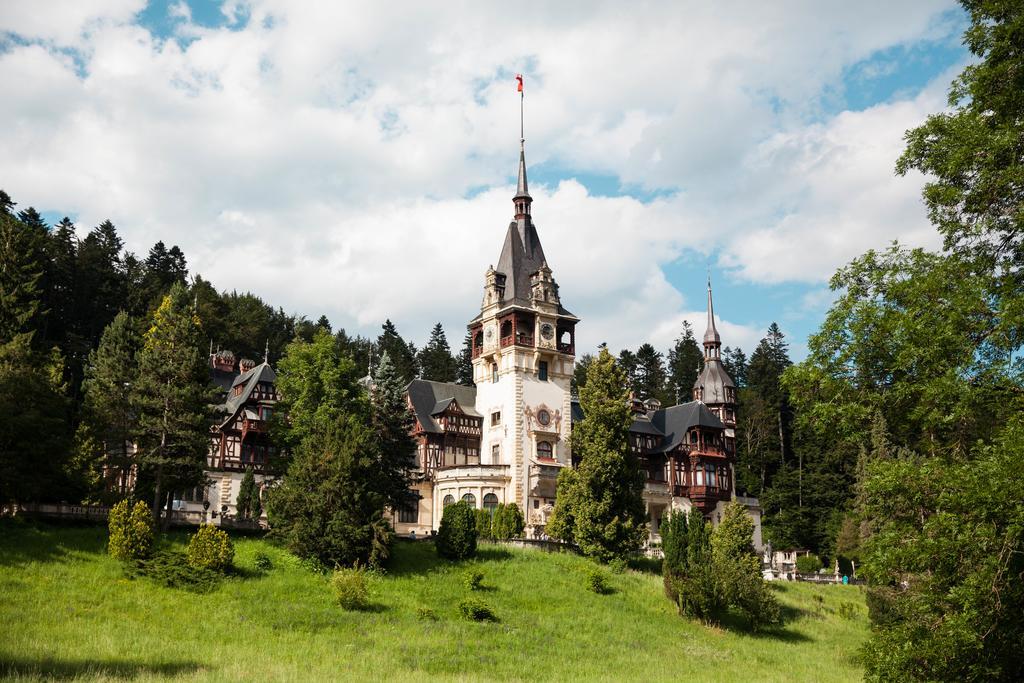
(522, 200)
(711, 337)
(266, 351)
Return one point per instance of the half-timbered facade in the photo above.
(239, 438)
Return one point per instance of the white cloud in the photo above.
(321, 155)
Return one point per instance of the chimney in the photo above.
(245, 365)
(223, 361)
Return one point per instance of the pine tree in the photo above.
(464, 363)
(248, 504)
(599, 506)
(435, 359)
(402, 355)
(172, 396)
(735, 363)
(101, 282)
(685, 360)
(20, 274)
(63, 250)
(628, 364)
(651, 378)
(109, 390)
(391, 425)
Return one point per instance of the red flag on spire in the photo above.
(519, 88)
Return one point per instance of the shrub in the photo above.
(210, 548)
(426, 614)
(171, 569)
(456, 535)
(597, 581)
(477, 610)
(848, 610)
(351, 589)
(474, 580)
(483, 525)
(508, 522)
(131, 531)
(248, 504)
(262, 562)
(808, 564)
(618, 565)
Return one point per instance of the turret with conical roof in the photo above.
(714, 387)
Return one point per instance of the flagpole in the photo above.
(522, 136)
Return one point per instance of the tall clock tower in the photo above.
(523, 353)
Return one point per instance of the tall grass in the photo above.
(69, 611)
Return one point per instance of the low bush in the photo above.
(848, 610)
(351, 589)
(474, 580)
(618, 565)
(808, 564)
(477, 610)
(131, 531)
(210, 548)
(426, 614)
(456, 535)
(262, 562)
(171, 569)
(597, 581)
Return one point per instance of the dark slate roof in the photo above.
(673, 422)
(670, 423)
(713, 379)
(252, 377)
(430, 398)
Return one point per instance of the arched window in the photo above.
(448, 500)
(490, 503)
(506, 329)
(469, 498)
(544, 449)
(494, 372)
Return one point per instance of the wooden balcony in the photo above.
(567, 348)
(517, 340)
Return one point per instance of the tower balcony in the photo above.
(518, 339)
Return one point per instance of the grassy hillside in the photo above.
(69, 611)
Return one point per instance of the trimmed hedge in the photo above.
(131, 531)
(210, 548)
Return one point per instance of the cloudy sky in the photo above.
(358, 159)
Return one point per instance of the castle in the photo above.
(506, 439)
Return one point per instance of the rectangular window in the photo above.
(495, 454)
(410, 512)
(494, 372)
(495, 418)
(542, 371)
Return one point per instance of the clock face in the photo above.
(544, 417)
(547, 331)
(489, 333)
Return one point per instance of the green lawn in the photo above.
(67, 611)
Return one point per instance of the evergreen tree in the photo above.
(685, 360)
(464, 363)
(628, 364)
(162, 268)
(20, 274)
(248, 503)
(172, 395)
(101, 282)
(328, 506)
(579, 372)
(402, 355)
(435, 359)
(319, 385)
(651, 379)
(735, 363)
(63, 257)
(599, 506)
(359, 349)
(391, 424)
(109, 390)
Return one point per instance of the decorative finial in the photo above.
(266, 351)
